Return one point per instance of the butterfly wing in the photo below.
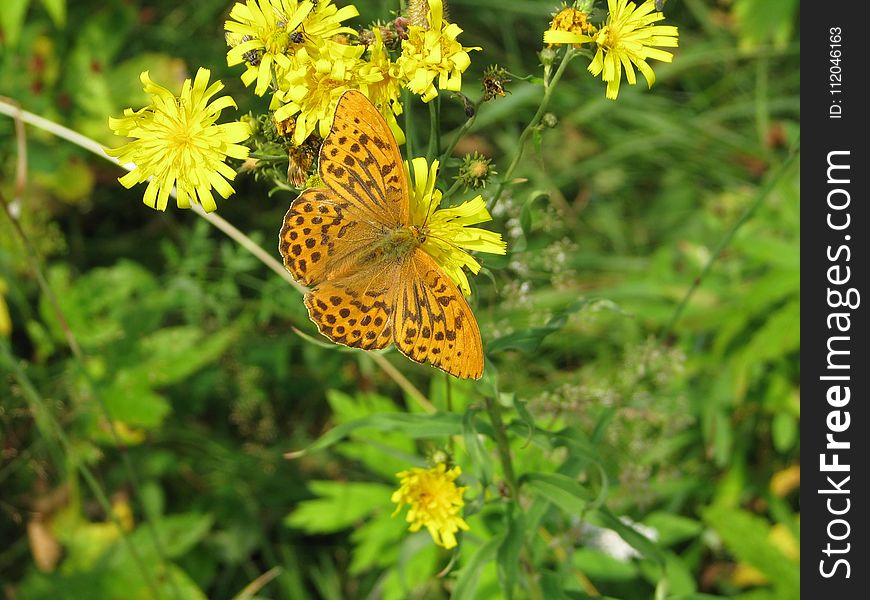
(355, 310)
(360, 162)
(323, 237)
(432, 321)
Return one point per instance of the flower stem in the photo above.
(460, 133)
(549, 86)
(502, 444)
(434, 132)
(448, 384)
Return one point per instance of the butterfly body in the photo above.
(354, 243)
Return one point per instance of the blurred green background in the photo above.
(188, 341)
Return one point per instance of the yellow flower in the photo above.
(627, 39)
(310, 91)
(385, 92)
(267, 34)
(434, 502)
(432, 51)
(569, 26)
(447, 232)
(178, 144)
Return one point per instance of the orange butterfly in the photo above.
(353, 242)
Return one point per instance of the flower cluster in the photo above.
(432, 52)
(268, 35)
(307, 57)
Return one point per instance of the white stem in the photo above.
(10, 108)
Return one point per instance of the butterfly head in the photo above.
(419, 233)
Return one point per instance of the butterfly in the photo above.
(353, 244)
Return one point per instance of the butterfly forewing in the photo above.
(323, 237)
(360, 162)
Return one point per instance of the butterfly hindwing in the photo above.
(432, 321)
(360, 162)
(354, 311)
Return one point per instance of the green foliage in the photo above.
(170, 430)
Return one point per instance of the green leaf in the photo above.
(553, 587)
(384, 452)
(673, 528)
(339, 505)
(56, 9)
(174, 353)
(596, 565)
(648, 548)
(376, 543)
(130, 399)
(12, 14)
(526, 221)
(508, 556)
(177, 534)
(529, 340)
(481, 461)
(466, 584)
(784, 431)
(746, 536)
(412, 425)
(563, 491)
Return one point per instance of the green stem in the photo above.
(432, 148)
(460, 133)
(549, 86)
(451, 190)
(502, 444)
(448, 382)
(760, 196)
(409, 124)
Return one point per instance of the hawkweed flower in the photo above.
(177, 143)
(431, 52)
(267, 34)
(434, 500)
(310, 91)
(626, 41)
(385, 87)
(570, 26)
(447, 234)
